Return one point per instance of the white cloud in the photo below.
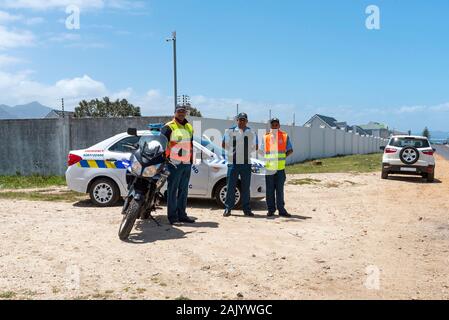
(123, 94)
(153, 103)
(440, 108)
(62, 4)
(15, 38)
(6, 60)
(156, 103)
(411, 109)
(62, 37)
(51, 4)
(34, 21)
(83, 86)
(6, 17)
(20, 88)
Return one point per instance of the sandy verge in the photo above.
(366, 238)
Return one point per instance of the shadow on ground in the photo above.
(88, 204)
(148, 231)
(411, 179)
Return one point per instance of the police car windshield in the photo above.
(205, 142)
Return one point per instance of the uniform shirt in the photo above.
(167, 131)
(240, 144)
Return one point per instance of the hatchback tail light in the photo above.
(429, 153)
(390, 150)
(73, 159)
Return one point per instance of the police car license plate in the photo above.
(408, 169)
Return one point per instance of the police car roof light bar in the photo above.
(156, 126)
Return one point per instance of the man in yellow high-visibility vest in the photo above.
(277, 147)
(179, 133)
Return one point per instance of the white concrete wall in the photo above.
(308, 142)
(41, 146)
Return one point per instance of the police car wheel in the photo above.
(220, 195)
(104, 192)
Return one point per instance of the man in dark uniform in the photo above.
(239, 141)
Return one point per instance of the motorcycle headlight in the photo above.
(151, 171)
(136, 168)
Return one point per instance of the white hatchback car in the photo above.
(100, 171)
(412, 155)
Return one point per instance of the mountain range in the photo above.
(33, 110)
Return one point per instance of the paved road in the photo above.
(443, 150)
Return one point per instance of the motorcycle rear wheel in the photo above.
(130, 217)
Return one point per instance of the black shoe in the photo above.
(187, 220)
(173, 221)
(249, 214)
(285, 215)
(227, 213)
(270, 214)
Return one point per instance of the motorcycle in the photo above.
(146, 174)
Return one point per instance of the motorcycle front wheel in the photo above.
(129, 218)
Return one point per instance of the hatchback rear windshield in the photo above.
(409, 142)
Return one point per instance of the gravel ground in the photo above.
(352, 236)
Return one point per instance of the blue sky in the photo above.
(290, 56)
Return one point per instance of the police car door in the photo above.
(117, 153)
(199, 179)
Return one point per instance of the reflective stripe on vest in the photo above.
(180, 145)
(276, 150)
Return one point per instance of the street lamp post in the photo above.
(175, 78)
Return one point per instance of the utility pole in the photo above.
(175, 71)
(62, 105)
(269, 116)
(237, 109)
(294, 119)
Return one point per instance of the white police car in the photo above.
(100, 171)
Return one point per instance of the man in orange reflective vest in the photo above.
(277, 148)
(179, 133)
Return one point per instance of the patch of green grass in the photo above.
(355, 163)
(182, 298)
(27, 182)
(43, 195)
(7, 295)
(306, 181)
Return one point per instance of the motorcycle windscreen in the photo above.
(154, 138)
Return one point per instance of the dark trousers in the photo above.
(178, 189)
(234, 171)
(275, 191)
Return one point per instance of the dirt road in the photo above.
(366, 238)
